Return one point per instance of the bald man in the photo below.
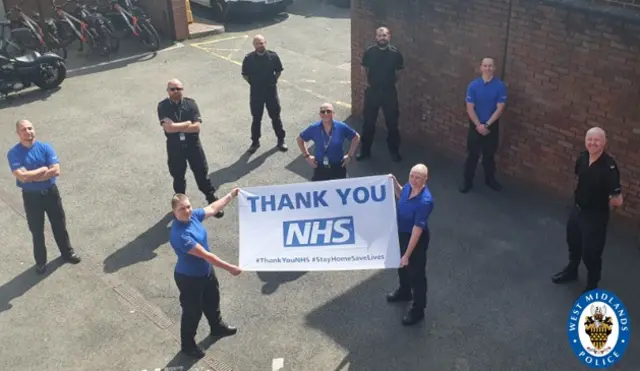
(415, 204)
(180, 118)
(382, 63)
(486, 98)
(598, 190)
(36, 167)
(261, 69)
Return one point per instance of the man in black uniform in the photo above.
(598, 189)
(180, 118)
(381, 63)
(261, 69)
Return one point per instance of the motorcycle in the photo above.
(46, 71)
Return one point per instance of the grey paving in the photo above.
(491, 304)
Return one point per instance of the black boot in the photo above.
(399, 296)
(566, 275)
(413, 317)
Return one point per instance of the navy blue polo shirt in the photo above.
(486, 96)
(334, 142)
(414, 211)
(183, 237)
(38, 155)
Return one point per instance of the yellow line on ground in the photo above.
(219, 40)
(308, 91)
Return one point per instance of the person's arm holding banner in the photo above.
(217, 206)
(196, 249)
(397, 188)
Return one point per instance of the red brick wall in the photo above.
(566, 69)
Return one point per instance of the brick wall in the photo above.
(567, 65)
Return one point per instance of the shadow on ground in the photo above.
(27, 96)
(239, 23)
(140, 249)
(24, 282)
(240, 168)
(273, 280)
(321, 8)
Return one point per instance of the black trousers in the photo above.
(413, 277)
(36, 205)
(191, 152)
(261, 97)
(586, 237)
(374, 98)
(485, 145)
(197, 295)
(321, 172)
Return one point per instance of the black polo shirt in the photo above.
(382, 65)
(185, 110)
(596, 182)
(261, 69)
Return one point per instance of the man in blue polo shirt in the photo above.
(329, 160)
(194, 274)
(486, 98)
(36, 168)
(415, 205)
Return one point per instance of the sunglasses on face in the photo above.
(325, 111)
(176, 89)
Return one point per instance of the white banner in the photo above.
(344, 224)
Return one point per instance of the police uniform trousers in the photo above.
(586, 237)
(198, 295)
(36, 205)
(413, 277)
(374, 99)
(481, 145)
(330, 172)
(259, 98)
(189, 151)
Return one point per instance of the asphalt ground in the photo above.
(491, 303)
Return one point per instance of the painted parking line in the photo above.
(277, 364)
(120, 60)
(284, 81)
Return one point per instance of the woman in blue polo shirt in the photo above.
(329, 160)
(415, 204)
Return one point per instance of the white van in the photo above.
(224, 8)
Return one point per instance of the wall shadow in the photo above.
(142, 248)
(273, 280)
(240, 168)
(24, 282)
(240, 23)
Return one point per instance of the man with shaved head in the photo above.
(598, 190)
(180, 118)
(415, 204)
(261, 69)
(36, 167)
(382, 63)
(486, 99)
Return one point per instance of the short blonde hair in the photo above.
(176, 199)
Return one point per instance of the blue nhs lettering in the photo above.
(319, 232)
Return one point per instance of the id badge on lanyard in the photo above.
(178, 115)
(325, 158)
(183, 137)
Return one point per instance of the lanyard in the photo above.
(327, 143)
(177, 113)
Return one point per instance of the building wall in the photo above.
(568, 65)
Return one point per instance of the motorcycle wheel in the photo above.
(149, 36)
(51, 75)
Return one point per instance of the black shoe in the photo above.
(195, 352)
(493, 184)
(282, 146)
(564, 277)
(73, 259)
(395, 157)
(363, 155)
(413, 317)
(464, 188)
(398, 296)
(254, 146)
(223, 330)
(212, 199)
(40, 269)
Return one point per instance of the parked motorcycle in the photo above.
(46, 71)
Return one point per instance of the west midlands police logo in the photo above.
(599, 329)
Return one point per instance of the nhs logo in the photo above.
(319, 232)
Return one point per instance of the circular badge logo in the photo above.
(599, 328)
